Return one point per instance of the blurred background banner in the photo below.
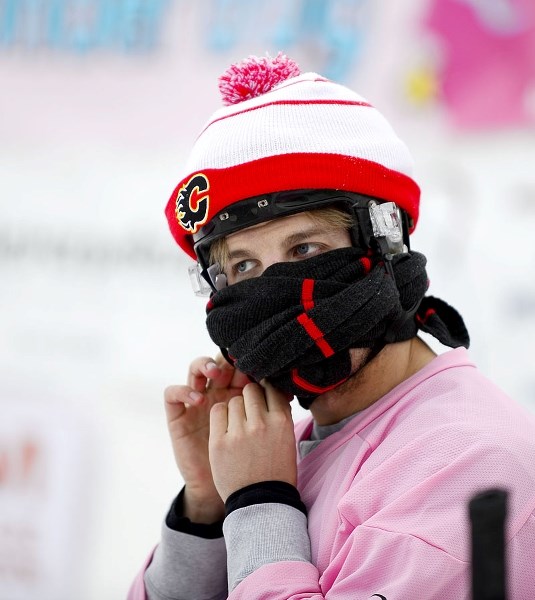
(487, 69)
(82, 25)
(41, 492)
(101, 101)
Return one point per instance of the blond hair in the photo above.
(330, 218)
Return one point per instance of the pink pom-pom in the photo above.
(255, 76)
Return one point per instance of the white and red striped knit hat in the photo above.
(282, 130)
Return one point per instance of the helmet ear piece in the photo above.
(387, 227)
(362, 232)
(408, 226)
(381, 227)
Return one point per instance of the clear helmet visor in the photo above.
(201, 287)
(376, 222)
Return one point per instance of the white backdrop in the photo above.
(96, 313)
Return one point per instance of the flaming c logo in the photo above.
(192, 203)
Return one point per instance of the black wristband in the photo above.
(176, 521)
(261, 493)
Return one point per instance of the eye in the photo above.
(305, 249)
(243, 267)
(238, 270)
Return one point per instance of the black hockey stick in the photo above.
(487, 516)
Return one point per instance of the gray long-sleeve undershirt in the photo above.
(187, 567)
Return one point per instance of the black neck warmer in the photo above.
(294, 325)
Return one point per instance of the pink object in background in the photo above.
(488, 72)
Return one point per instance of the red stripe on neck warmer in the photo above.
(316, 334)
(310, 387)
(307, 292)
(429, 312)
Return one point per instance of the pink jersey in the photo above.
(387, 495)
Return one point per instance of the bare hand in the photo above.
(188, 419)
(252, 440)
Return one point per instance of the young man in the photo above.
(297, 204)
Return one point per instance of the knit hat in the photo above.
(282, 130)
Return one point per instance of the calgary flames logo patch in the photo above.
(192, 203)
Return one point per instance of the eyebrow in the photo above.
(237, 254)
(288, 242)
(305, 234)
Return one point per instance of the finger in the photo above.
(239, 380)
(236, 413)
(227, 376)
(175, 394)
(182, 394)
(224, 375)
(254, 403)
(177, 399)
(175, 406)
(206, 372)
(218, 421)
(221, 361)
(200, 370)
(276, 400)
